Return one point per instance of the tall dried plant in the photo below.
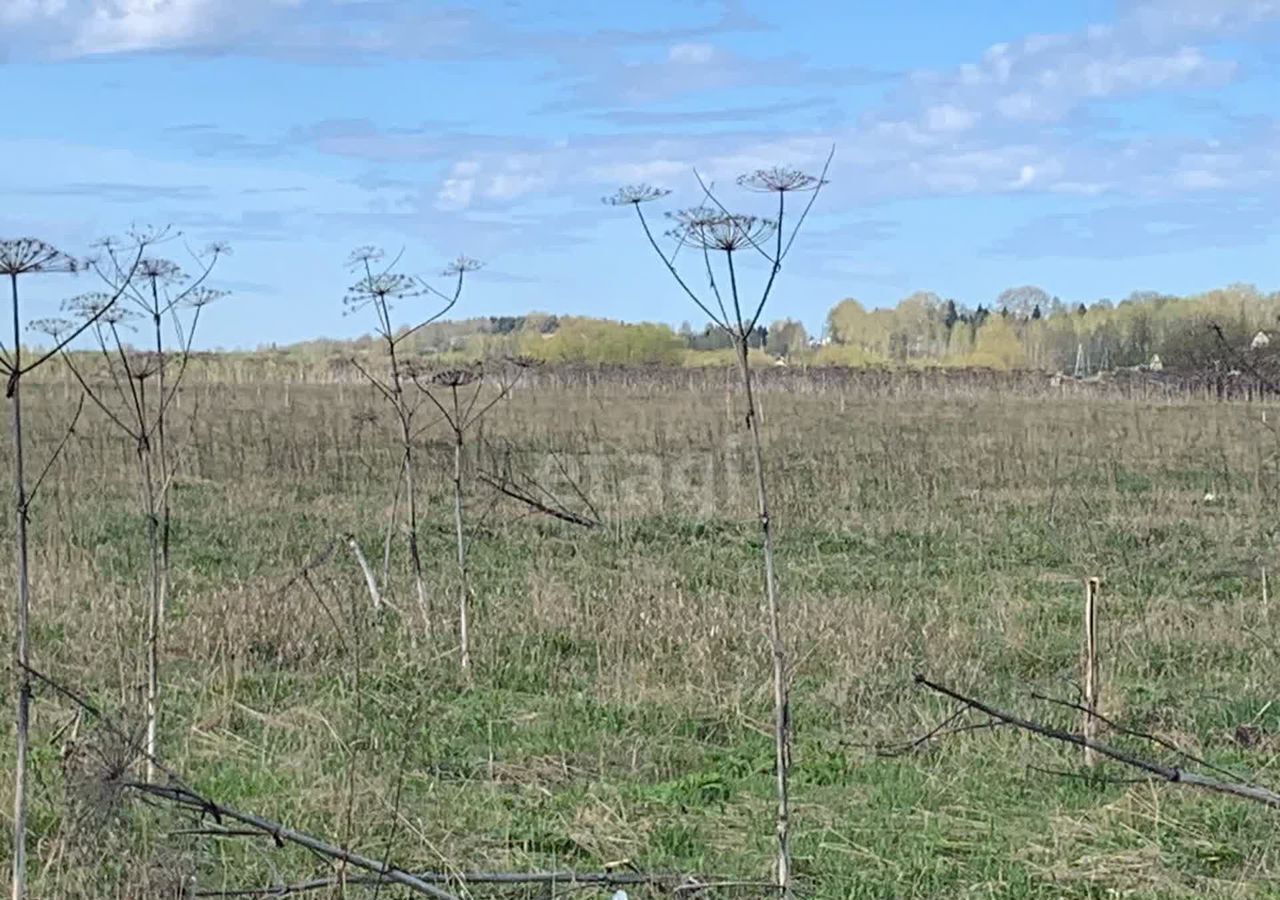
(718, 239)
(160, 297)
(460, 396)
(19, 258)
(381, 289)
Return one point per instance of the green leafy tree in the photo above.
(787, 338)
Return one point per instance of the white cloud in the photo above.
(949, 117)
(1162, 19)
(512, 185)
(1045, 78)
(890, 161)
(1186, 65)
(22, 12)
(1011, 120)
(691, 54)
(62, 28)
(122, 25)
(654, 171)
(459, 187)
(94, 188)
(325, 30)
(1199, 179)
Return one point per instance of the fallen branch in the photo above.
(557, 879)
(184, 797)
(515, 492)
(1153, 738)
(940, 730)
(282, 834)
(1171, 774)
(379, 872)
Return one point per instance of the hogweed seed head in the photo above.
(383, 288)
(27, 256)
(779, 180)
(202, 296)
(462, 265)
(635, 194)
(54, 327)
(522, 361)
(161, 271)
(707, 229)
(364, 256)
(456, 378)
(101, 307)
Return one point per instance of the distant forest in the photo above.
(1022, 328)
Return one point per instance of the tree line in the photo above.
(1023, 327)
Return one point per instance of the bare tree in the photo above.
(19, 258)
(718, 239)
(160, 295)
(380, 288)
(457, 395)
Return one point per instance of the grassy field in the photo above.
(620, 704)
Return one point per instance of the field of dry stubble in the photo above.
(620, 705)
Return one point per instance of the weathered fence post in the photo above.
(1092, 684)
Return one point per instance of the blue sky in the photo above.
(1092, 148)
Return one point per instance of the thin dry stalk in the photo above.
(380, 288)
(160, 293)
(19, 258)
(22, 633)
(461, 410)
(712, 232)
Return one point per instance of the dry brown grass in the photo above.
(620, 705)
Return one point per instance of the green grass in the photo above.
(620, 704)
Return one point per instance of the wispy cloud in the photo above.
(318, 30)
(1147, 229)
(1041, 115)
(1016, 119)
(207, 139)
(691, 68)
(115, 191)
(649, 116)
(240, 202)
(71, 28)
(1166, 19)
(1158, 45)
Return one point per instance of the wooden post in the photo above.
(728, 402)
(1092, 684)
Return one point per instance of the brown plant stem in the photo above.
(22, 647)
